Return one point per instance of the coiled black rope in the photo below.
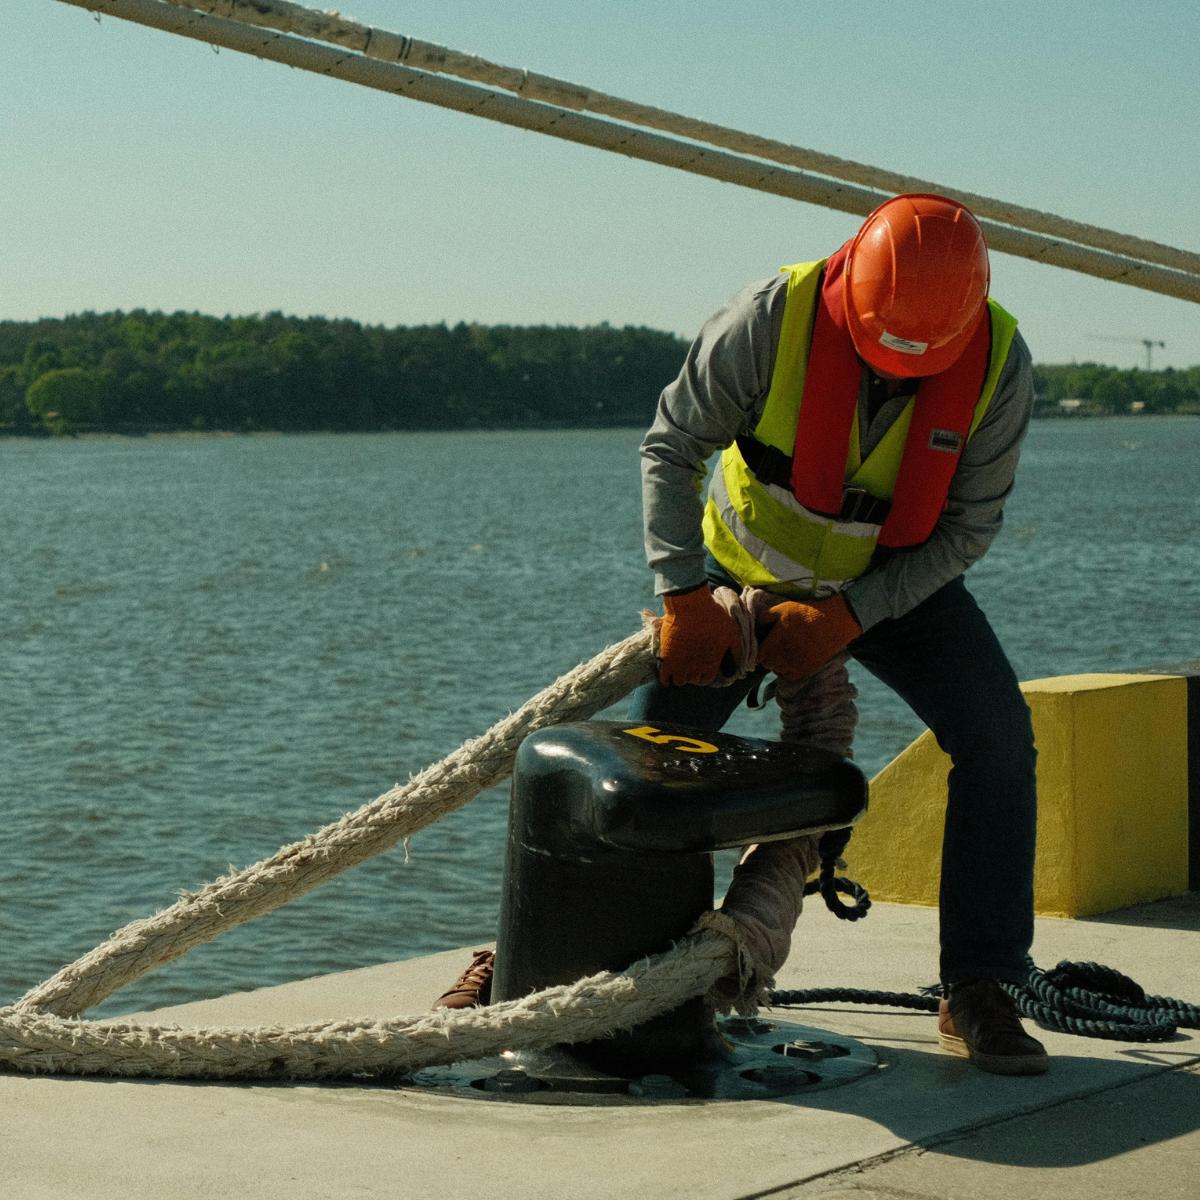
(1084, 998)
(1087, 999)
(1093, 1000)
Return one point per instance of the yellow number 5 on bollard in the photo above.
(692, 745)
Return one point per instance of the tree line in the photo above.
(1104, 391)
(141, 371)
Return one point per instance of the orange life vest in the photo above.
(942, 415)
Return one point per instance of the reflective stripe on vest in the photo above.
(758, 530)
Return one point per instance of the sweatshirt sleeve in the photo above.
(975, 504)
(719, 394)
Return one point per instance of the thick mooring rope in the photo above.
(37, 1034)
(440, 789)
(373, 42)
(573, 126)
(590, 1008)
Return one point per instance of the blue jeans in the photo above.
(944, 660)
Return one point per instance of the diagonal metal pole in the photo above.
(608, 135)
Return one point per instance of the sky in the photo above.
(143, 170)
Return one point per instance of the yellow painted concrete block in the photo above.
(1112, 800)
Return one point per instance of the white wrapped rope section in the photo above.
(340, 30)
(572, 126)
(594, 1007)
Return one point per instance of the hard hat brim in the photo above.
(933, 361)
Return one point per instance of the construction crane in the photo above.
(1149, 343)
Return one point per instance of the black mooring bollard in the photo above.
(610, 839)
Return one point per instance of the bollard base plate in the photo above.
(752, 1058)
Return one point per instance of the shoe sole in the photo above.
(996, 1064)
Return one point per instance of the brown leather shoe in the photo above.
(980, 1022)
(474, 986)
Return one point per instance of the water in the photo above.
(212, 645)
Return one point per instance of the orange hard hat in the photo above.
(916, 284)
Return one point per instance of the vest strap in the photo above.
(771, 466)
(769, 463)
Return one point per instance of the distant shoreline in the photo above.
(155, 433)
(1124, 416)
(141, 374)
(160, 432)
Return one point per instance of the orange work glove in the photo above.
(805, 636)
(696, 635)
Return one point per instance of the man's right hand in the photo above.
(696, 635)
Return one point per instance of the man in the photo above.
(870, 409)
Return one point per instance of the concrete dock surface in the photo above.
(1110, 1119)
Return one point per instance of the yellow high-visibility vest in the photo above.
(758, 531)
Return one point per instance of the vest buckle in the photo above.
(860, 507)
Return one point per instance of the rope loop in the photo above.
(829, 883)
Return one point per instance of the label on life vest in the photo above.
(945, 439)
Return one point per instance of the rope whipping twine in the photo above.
(1082, 998)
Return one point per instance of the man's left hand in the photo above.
(805, 636)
